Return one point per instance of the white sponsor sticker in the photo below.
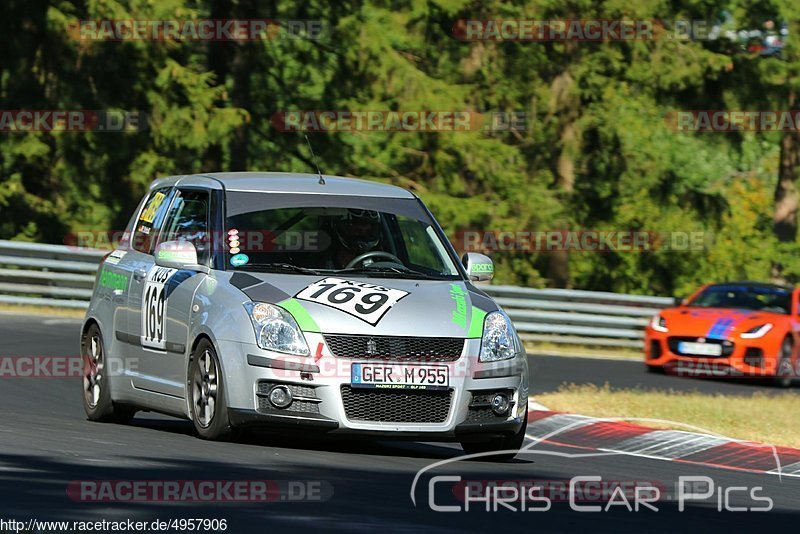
(154, 307)
(115, 257)
(368, 302)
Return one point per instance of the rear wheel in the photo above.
(97, 401)
(207, 390)
(508, 443)
(783, 374)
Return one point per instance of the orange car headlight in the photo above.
(658, 323)
(757, 331)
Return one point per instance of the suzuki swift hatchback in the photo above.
(291, 300)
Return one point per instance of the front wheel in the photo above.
(783, 373)
(207, 393)
(508, 443)
(96, 398)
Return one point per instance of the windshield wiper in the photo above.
(404, 272)
(277, 268)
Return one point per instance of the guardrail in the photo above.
(47, 275)
(573, 317)
(61, 276)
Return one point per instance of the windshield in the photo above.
(761, 298)
(326, 234)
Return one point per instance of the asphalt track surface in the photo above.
(550, 372)
(46, 442)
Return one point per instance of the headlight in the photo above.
(757, 331)
(276, 329)
(658, 323)
(499, 339)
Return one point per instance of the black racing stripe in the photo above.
(244, 280)
(481, 300)
(266, 292)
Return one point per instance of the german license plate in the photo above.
(397, 376)
(699, 349)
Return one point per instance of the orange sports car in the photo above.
(746, 329)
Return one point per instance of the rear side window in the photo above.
(187, 220)
(150, 220)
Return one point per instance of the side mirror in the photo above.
(479, 267)
(178, 255)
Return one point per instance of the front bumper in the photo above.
(321, 384)
(747, 358)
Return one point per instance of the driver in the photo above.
(356, 232)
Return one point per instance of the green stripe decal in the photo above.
(476, 323)
(301, 315)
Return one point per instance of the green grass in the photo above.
(758, 417)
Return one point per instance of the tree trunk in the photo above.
(244, 64)
(219, 57)
(565, 105)
(786, 197)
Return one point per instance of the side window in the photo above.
(187, 220)
(419, 245)
(146, 228)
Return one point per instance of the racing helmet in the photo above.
(358, 231)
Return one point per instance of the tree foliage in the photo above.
(597, 152)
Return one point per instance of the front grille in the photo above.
(754, 357)
(399, 348)
(727, 346)
(298, 406)
(264, 387)
(396, 406)
(655, 349)
(480, 408)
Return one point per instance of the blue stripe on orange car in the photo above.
(720, 329)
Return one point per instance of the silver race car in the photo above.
(306, 302)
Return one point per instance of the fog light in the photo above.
(280, 397)
(500, 404)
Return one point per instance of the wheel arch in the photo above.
(199, 338)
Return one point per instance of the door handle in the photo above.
(139, 274)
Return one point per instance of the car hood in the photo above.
(716, 323)
(430, 308)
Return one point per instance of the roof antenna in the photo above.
(314, 156)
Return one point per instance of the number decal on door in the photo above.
(154, 307)
(368, 302)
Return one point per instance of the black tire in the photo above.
(207, 394)
(784, 376)
(655, 369)
(498, 444)
(95, 383)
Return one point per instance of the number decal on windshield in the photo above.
(154, 307)
(368, 302)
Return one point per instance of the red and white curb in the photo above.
(617, 436)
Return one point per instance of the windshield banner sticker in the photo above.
(367, 302)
